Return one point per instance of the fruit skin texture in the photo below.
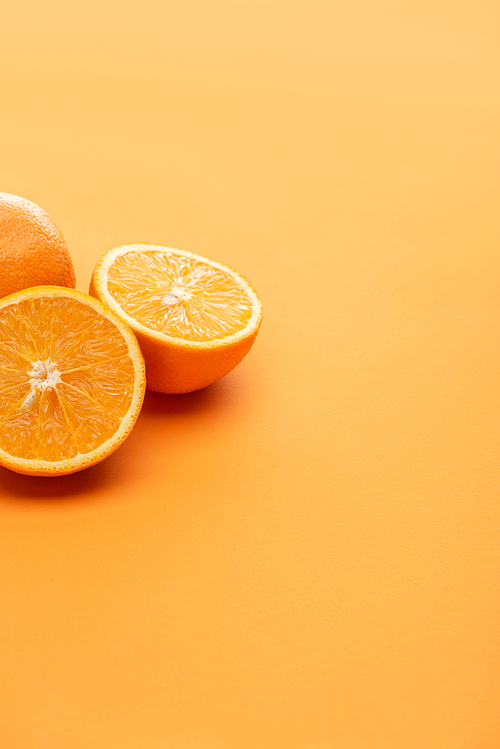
(179, 366)
(32, 249)
(182, 369)
(72, 465)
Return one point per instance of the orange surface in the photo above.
(32, 249)
(306, 554)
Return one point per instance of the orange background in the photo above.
(306, 554)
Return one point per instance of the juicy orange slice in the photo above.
(195, 318)
(72, 381)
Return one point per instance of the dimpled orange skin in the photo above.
(32, 249)
(183, 369)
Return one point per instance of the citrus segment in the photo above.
(178, 295)
(71, 381)
(195, 319)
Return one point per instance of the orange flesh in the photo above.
(66, 379)
(179, 296)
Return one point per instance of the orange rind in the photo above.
(32, 249)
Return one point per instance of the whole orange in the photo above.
(32, 249)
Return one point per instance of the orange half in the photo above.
(195, 318)
(72, 381)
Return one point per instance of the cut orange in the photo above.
(32, 249)
(194, 318)
(72, 381)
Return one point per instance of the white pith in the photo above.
(43, 375)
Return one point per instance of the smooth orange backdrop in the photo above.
(306, 554)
